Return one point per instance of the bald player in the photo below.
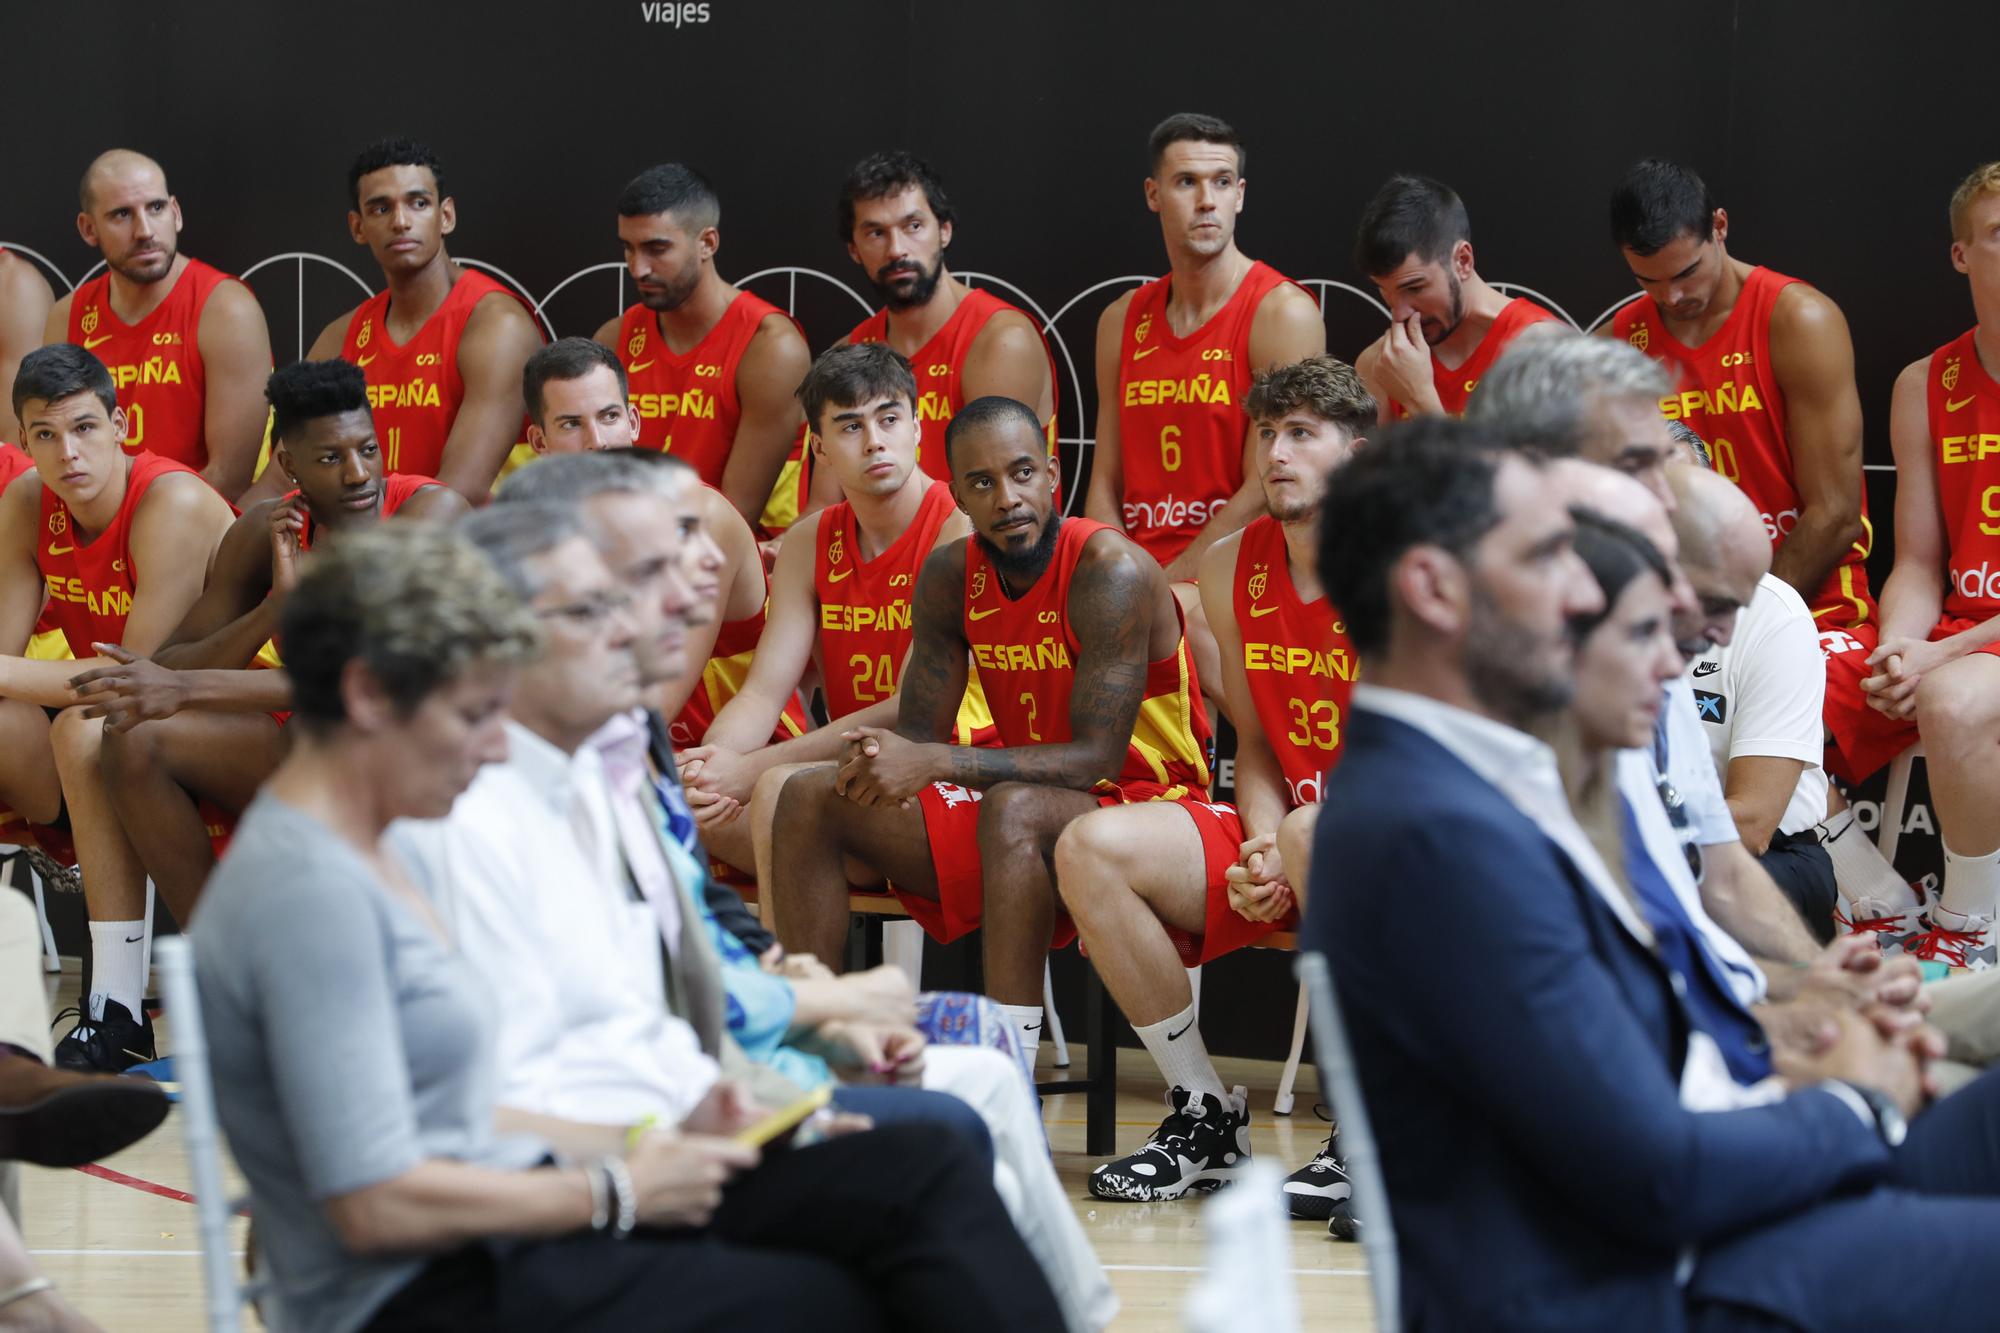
(195, 730)
(712, 368)
(117, 544)
(578, 399)
(1934, 672)
(185, 343)
(962, 343)
(1081, 653)
(1759, 690)
(25, 298)
(1446, 324)
(442, 345)
(1765, 373)
(1157, 888)
(841, 590)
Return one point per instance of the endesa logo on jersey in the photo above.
(1168, 512)
(1979, 584)
(672, 13)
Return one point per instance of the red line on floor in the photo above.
(133, 1182)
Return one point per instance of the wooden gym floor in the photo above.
(125, 1250)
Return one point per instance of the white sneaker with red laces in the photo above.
(1957, 939)
(1894, 927)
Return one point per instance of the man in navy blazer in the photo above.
(1520, 1044)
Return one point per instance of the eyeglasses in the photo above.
(591, 613)
(1677, 815)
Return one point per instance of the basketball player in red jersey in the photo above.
(1446, 325)
(1155, 889)
(1079, 647)
(712, 368)
(578, 399)
(196, 723)
(1173, 466)
(442, 345)
(117, 544)
(840, 594)
(1767, 378)
(185, 343)
(25, 299)
(1934, 674)
(962, 343)
(1174, 358)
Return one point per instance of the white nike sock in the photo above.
(1026, 1020)
(1859, 868)
(1177, 1048)
(118, 966)
(1971, 883)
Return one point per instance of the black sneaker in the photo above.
(110, 1045)
(1317, 1188)
(1344, 1225)
(1201, 1145)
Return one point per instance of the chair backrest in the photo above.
(1342, 1087)
(213, 1207)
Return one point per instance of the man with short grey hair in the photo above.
(1583, 397)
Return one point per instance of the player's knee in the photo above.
(1963, 703)
(1087, 859)
(125, 755)
(795, 793)
(77, 740)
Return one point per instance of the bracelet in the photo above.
(26, 1289)
(600, 1196)
(620, 1177)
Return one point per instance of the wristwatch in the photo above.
(1889, 1121)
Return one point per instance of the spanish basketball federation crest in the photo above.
(636, 343)
(90, 321)
(1949, 377)
(1260, 579)
(1639, 337)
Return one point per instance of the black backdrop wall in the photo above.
(1833, 132)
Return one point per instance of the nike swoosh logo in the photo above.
(1031, 1027)
(89, 343)
(1707, 668)
(1176, 1036)
(1143, 353)
(1949, 405)
(1259, 612)
(638, 366)
(135, 939)
(361, 361)
(60, 550)
(981, 615)
(835, 578)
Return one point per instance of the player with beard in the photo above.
(962, 343)
(579, 399)
(442, 345)
(1084, 716)
(185, 343)
(192, 733)
(1415, 245)
(25, 298)
(1765, 373)
(711, 367)
(116, 545)
(840, 594)
(1156, 889)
